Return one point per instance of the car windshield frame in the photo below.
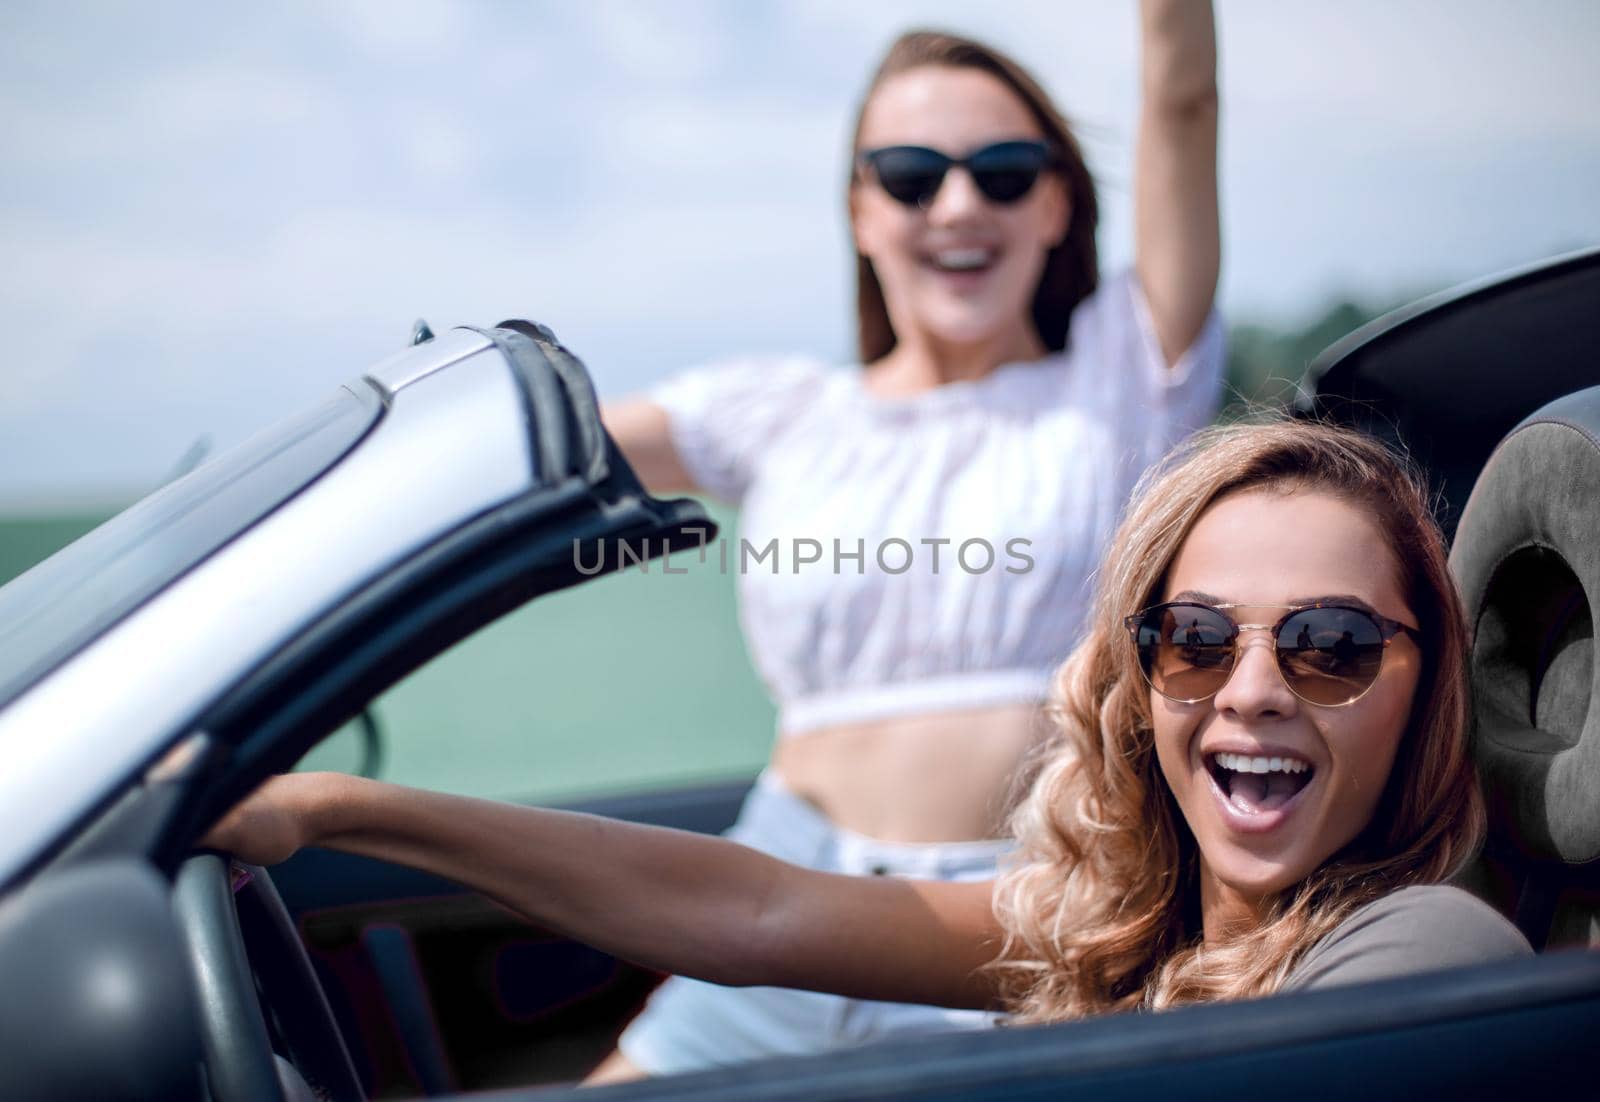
(63, 604)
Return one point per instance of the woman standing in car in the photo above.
(1008, 393)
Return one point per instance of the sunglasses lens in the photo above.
(910, 175)
(1007, 171)
(1330, 655)
(1186, 651)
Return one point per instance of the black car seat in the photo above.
(1450, 376)
(1527, 556)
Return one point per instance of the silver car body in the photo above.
(451, 443)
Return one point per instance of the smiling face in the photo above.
(1260, 833)
(963, 271)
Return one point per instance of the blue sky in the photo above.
(213, 215)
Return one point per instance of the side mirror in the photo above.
(96, 1001)
(357, 748)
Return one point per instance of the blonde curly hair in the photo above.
(1101, 909)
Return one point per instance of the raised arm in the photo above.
(1177, 238)
(671, 900)
(641, 430)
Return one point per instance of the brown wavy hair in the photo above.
(1071, 270)
(1101, 911)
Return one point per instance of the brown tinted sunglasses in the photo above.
(1328, 654)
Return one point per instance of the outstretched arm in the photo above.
(1177, 239)
(670, 900)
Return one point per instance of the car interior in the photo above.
(440, 991)
(380, 982)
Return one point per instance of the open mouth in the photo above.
(973, 259)
(1255, 785)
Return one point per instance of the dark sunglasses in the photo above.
(1004, 171)
(1328, 654)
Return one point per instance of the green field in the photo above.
(624, 682)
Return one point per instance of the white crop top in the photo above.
(858, 611)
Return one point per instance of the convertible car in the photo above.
(159, 668)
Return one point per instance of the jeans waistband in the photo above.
(783, 823)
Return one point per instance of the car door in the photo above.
(256, 605)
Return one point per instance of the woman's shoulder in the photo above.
(724, 416)
(748, 379)
(1417, 929)
(1112, 343)
(1115, 305)
(747, 396)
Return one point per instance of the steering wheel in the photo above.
(240, 1063)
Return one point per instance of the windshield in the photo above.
(67, 601)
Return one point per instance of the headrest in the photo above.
(1527, 557)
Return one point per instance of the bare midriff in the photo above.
(936, 777)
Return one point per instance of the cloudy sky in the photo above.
(210, 215)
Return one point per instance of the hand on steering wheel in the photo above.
(240, 1063)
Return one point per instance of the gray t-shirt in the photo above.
(1418, 929)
